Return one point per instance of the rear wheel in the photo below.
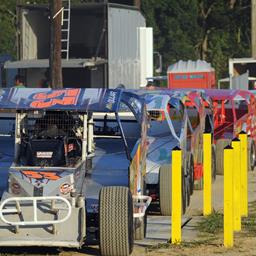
(115, 221)
(165, 190)
(221, 144)
(190, 170)
(251, 154)
(214, 168)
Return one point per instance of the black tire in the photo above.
(251, 154)
(214, 167)
(185, 194)
(220, 145)
(165, 190)
(190, 170)
(115, 221)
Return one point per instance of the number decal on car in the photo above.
(41, 175)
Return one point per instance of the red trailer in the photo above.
(191, 74)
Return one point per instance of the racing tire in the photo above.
(220, 145)
(190, 170)
(165, 190)
(115, 221)
(251, 154)
(185, 193)
(214, 167)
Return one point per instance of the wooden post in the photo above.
(55, 44)
(228, 197)
(176, 195)
(207, 178)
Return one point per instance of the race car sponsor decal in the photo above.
(15, 188)
(41, 175)
(52, 98)
(65, 188)
(111, 100)
(40, 154)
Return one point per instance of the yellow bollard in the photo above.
(244, 175)
(228, 197)
(207, 161)
(176, 195)
(237, 184)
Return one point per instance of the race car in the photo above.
(178, 119)
(233, 112)
(78, 170)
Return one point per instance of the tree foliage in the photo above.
(213, 30)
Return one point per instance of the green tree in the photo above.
(7, 27)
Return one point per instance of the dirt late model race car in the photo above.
(78, 169)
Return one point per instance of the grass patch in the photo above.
(212, 224)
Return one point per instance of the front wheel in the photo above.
(220, 145)
(115, 221)
(251, 154)
(214, 168)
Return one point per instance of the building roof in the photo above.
(190, 66)
(44, 63)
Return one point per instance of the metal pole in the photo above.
(237, 184)
(228, 197)
(207, 162)
(253, 27)
(55, 45)
(244, 174)
(176, 195)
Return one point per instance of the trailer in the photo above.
(103, 45)
(78, 169)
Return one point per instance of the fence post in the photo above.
(176, 195)
(244, 174)
(237, 183)
(207, 173)
(228, 197)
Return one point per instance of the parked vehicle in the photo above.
(233, 112)
(177, 120)
(78, 170)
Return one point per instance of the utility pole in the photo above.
(253, 27)
(137, 3)
(55, 44)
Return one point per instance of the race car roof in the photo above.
(158, 99)
(77, 99)
(217, 94)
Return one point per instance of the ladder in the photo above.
(65, 29)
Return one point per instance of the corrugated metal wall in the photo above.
(123, 54)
